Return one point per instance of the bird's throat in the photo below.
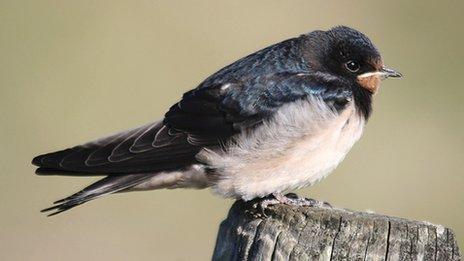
(370, 83)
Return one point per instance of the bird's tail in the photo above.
(108, 185)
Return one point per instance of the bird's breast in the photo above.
(300, 145)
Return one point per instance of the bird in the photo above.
(279, 119)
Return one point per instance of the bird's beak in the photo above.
(386, 72)
(383, 73)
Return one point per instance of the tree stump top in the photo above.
(322, 233)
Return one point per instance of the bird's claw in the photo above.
(290, 199)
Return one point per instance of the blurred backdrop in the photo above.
(72, 71)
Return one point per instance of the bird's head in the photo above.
(348, 53)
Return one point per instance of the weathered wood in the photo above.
(320, 233)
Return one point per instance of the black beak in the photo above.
(390, 73)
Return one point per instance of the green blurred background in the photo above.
(71, 71)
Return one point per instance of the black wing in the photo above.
(205, 117)
(239, 96)
(150, 148)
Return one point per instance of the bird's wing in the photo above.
(205, 117)
(150, 148)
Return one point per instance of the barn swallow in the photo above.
(276, 120)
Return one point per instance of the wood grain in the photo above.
(282, 232)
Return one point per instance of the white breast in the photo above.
(299, 146)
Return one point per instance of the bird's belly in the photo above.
(297, 148)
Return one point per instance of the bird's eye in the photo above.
(352, 66)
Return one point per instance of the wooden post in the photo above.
(322, 233)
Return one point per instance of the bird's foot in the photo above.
(292, 200)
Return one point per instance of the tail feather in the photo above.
(108, 185)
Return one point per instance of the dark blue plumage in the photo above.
(285, 56)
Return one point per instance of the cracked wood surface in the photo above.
(321, 233)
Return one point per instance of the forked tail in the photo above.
(105, 186)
